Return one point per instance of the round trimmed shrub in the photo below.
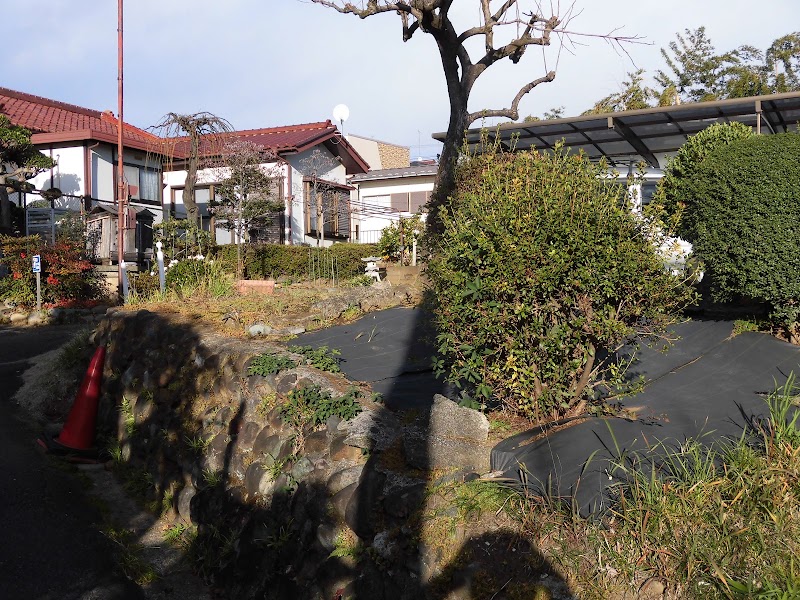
(538, 271)
(747, 214)
(673, 194)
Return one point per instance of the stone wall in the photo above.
(275, 510)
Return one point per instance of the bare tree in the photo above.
(190, 138)
(533, 28)
(314, 166)
(247, 189)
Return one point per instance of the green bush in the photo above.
(389, 245)
(198, 276)
(537, 271)
(67, 279)
(269, 261)
(673, 197)
(225, 255)
(747, 207)
(143, 284)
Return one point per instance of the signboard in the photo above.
(37, 263)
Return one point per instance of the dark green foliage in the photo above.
(322, 358)
(673, 196)
(192, 273)
(225, 256)
(269, 364)
(143, 284)
(390, 246)
(747, 211)
(268, 261)
(539, 268)
(315, 406)
(68, 278)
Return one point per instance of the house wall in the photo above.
(300, 165)
(370, 197)
(67, 175)
(380, 155)
(174, 181)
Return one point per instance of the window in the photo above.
(144, 183)
(648, 191)
(333, 200)
(409, 202)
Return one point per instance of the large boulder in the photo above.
(447, 436)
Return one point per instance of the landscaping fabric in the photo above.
(391, 350)
(708, 384)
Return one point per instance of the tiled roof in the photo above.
(44, 116)
(52, 121)
(288, 138)
(280, 140)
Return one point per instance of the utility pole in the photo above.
(121, 195)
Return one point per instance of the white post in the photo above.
(124, 275)
(160, 257)
(414, 250)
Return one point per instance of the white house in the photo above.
(83, 144)
(308, 156)
(384, 196)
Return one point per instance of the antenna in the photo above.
(341, 113)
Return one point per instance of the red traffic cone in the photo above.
(78, 432)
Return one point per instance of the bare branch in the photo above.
(513, 112)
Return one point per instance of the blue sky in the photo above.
(261, 63)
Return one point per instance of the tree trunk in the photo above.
(446, 176)
(191, 180)
(5, 208)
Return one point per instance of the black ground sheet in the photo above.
(708, 384)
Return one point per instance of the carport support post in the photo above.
(160, 257)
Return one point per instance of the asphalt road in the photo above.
(50, 545)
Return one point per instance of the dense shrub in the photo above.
(673, 195)
(747, 205)
(390, 246)
(198, 276)
(268, 261)
(225, 255)
(67, 276)
(538, 269)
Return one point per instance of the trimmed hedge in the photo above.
(747, 216)
(538, 270)
(674, 195)
(267, 261)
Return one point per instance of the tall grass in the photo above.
(713, 521)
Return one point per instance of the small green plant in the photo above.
(174, 533)
(280, 538)
(346, 545)
(270, 364)
(351, 313)
(267, 403)
(744, 325)
(359, 281)
(130, 560)
(315, 406)
(212, 478)
(323, 358)
(114, 451)
(197, 443)
(129, 420)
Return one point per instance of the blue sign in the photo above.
(37, 263)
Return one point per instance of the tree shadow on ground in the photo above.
(269, 524)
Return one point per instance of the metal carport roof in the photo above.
(634, 135)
